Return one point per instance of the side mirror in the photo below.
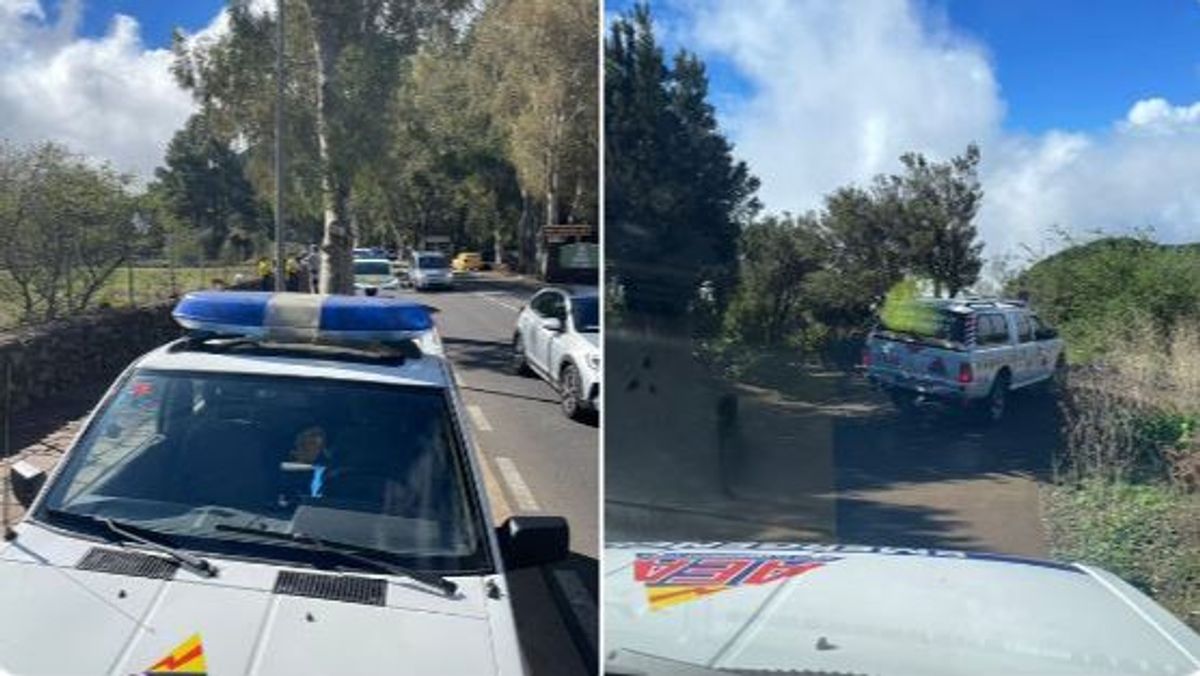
(552, 324)
(527, 541)
(1046, 333)
(27, 480)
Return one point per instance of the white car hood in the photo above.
(58, 620)
(829, 609)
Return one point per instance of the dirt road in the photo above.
(825, 458)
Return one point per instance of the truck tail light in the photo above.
(866, 357)
(964, 374)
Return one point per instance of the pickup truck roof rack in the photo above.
(993, 302)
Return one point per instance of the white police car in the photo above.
(712, 609)
(288, 490)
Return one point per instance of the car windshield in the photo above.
(585, 313)
(185, 454)
(372, 268)
(432, 262)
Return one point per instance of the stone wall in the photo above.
(38, 362)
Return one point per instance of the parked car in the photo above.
(243, 488)
(430, 270)
(971, 353)
(372, 275)
(467, 261)
(557, 336)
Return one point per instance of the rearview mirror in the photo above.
(552, 324)
(527, 541)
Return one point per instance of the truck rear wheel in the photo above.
(995, 406)
(905, 402)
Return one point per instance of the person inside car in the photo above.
(310, 449)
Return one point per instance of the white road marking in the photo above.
(516, 485)
(581, 603)
(491, 298)
(479, 418)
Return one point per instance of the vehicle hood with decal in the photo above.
(288, 489)
(703, 609)
(74, 607)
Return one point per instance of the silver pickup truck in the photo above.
(970, 353)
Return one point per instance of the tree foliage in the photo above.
(407, 118)
(204, 183)
(66, 225)
(675, 199)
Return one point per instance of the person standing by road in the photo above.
(292, 271)
(265, 279)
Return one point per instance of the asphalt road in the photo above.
(537, 461)
(825, 459)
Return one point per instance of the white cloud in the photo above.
(110, 97)
(840, 90)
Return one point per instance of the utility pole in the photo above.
(279, 266)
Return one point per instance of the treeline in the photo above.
(402, 119)
(67, 224)
(1100, 292)
(687, 243)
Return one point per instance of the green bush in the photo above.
(1149, 534)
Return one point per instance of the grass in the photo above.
(150, 285)
(1127, 491)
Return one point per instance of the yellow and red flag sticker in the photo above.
(671, 579)
(186, 658)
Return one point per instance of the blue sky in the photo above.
(156, 17)
(1087, 112)
(1060, 64)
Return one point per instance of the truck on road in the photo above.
(971, 353)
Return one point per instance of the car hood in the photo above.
(763, 608)
(58, 619)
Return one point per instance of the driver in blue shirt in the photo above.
(310, 449)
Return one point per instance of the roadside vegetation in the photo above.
(1126, 494)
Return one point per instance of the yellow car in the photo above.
(467, 261)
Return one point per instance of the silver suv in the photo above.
(970, 353)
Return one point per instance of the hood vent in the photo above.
(365, 590)
(134, 564)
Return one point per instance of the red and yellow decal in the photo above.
(671, 579)
(186, 658)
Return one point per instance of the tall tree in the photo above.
(940, 200)
(538, 57)
(675, 199)
(344, 66)
(205, 187)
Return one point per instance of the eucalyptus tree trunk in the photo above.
(337, 242)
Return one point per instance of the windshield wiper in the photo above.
(353, 552)
(124, 531)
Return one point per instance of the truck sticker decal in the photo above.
(825, 549)
(186, 658)
(671, 579)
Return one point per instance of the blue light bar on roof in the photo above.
(292, 317)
